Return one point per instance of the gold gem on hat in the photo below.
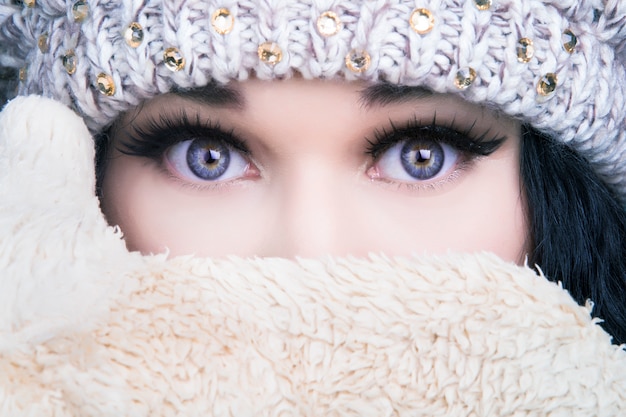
(464, 78)
(222, 21)
(329, 24)
(270, 53)
(547, 84)
(422, 21)
(30, 3)
(105, 83)
(525, 50)
(569, 41)
(23, 73)
(69, 61)
(42, 43)
(483, 4)
(80, 10)
(174, 60)
(358, 60)
(133, 35)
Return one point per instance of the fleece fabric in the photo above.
(89, 329)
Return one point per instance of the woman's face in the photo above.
(310, 168)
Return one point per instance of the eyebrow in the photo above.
(383, 94)
(213, 94)
(379, 94)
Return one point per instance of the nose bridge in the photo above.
(311, 213)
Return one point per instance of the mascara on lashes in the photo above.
(152, 137)
(155, 135)
(464, 141)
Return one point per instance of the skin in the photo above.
(310, 189)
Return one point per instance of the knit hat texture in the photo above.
(558, 65)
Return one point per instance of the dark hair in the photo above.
(8, 84)
(578, 228)
(577, 225)
(103, 144)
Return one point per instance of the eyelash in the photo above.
(154, 136)
(464, 141)
(157, 135)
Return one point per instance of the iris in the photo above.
(422, 159)
(208, 159)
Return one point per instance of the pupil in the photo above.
(422, 155)
(212, 156)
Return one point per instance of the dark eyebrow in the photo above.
(383, 94)
(380, 94)
(213, 94)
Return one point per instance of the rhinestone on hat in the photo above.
(80, 10)
(569, 41)
(422, 21)
(222, 21)
(69, 61)
(483, 4)
(464, 78)
(525, 50)
(133, 35)
(270, 53)
(106, 85)
(42, 43)
(328, 24)
(358, 60)
(547, 84)
(23, 73)
(174, 60)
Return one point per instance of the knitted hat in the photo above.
(558, 65)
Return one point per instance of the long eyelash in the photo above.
(465, 141)
(152, 137)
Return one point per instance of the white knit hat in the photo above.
(558, 65)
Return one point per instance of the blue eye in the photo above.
(206, 160)
(417, 160)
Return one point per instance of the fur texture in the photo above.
(89, 329)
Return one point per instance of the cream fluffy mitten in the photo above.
(89, 329)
